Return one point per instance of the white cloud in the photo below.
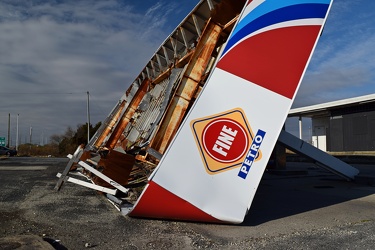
(343, 64)
(50, 49)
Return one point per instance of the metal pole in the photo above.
(17, 133)
(8, 145)
(42, 138)
(31, 134)
(88, 118)
(300, 127)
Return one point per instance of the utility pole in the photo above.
(17, 133)
(31, 134)
(88, 118)
(8, 131)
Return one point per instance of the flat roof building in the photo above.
(341, 126)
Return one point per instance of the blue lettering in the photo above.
(250, 157)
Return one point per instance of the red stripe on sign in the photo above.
(274, 59)
(157, 202)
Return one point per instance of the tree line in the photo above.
(60, 145)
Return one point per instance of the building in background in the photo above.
(341, 126)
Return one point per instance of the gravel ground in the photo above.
(317, 211)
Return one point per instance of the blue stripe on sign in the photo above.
(289, 13)
(269, 6)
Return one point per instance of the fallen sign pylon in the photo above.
(224, 124)
(236, 120)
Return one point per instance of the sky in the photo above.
(53, 51)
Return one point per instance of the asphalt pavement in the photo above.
(307, 209)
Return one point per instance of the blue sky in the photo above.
(344, 60)
(343, 63)
(53, 52)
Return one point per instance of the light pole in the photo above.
(8, 145)
(17, 133)
(31, 134)
(88, 118)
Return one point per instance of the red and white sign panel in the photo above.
(213, 167)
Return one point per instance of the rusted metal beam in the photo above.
(129, 112)
(188, 86)
(107, 130)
